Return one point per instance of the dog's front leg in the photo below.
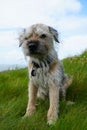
(54, 102)
(32, 99)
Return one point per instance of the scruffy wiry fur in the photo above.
(47, 77)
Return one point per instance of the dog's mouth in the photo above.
(37, 54)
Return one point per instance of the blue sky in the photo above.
(84, 4)
(69, 17)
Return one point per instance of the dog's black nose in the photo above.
(32, 46)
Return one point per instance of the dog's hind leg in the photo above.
(66, 82)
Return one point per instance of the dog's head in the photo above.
(37, 40)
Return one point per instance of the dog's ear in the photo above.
(54, 33)
(20, 37)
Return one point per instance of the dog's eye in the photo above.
(43, 36)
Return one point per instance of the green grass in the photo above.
(13, 100)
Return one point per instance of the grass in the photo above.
(13, 100)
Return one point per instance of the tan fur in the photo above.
(32, 99)
(54, 99)
(33, 36)
(53, 66)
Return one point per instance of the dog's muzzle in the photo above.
(32, 46)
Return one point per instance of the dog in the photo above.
(46, 74)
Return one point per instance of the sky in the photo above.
(69, 17)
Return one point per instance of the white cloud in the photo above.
(73, 23)
(13, 56)
(62, 14)
(7, 38)
(73, 45)
(26, 12)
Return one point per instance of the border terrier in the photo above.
(46, 74)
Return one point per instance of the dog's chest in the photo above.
(40, 77)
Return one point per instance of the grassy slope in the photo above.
(13, 100)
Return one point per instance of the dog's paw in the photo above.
(52, 118)
(51, 122)
(30, 111)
